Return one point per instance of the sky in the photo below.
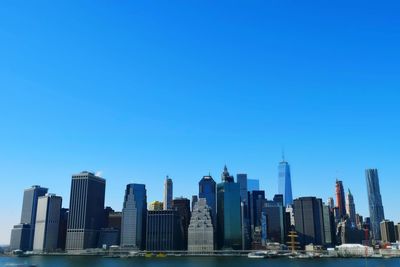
(138, 90)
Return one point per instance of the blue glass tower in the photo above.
(376, 213)
(285, 183)
(208, 190)
(229, 232)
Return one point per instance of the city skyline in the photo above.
(137, 91)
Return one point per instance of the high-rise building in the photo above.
(275, 221)
(331, 203)
(134, 215)
(253, 185)
(376, 212)
(47, 223)
(164, 230)
(156, 205)
(308, 213)
(327, 215)
(397, 231)
(201, 230)
(241, 179)
(285, 182)
(86, 211)
(182, 206)
(62, 229)
(168, 193)
(351, 208)
(24, 232)
(256, 204)
(208, 190)
(229, 233)
(195, 198)
(340, 199)
(387, 231)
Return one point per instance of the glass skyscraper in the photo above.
(168, 193)
(229, 232)
(376, 212)
(208, 190)
(285, 183)
(134, 213)
(340, 198)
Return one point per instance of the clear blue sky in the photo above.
(141, 90)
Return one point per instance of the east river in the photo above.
(92, 261)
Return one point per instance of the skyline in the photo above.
(138, 91)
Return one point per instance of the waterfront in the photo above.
(78, 261)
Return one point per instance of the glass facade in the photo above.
(285, 183)
(207, 190)
(376, 212)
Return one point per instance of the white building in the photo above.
(354, 250)
(201, 231)
(47, 223)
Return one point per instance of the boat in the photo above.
(257, 255)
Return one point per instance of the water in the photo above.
(55, 261)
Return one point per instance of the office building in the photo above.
(164, 231)
(134, 214)
(47, 223)
(387, 231)
(86, 211)
(253, 185)
(156, 205)
(208, 191)
(256, 204)
(351, 208)
(194, 201)
(285, 182)
(182, 206)
(201, 230)
(376, 212)
(274, 227)
(168, 193)
(340, 199)
(241, 179)
(20, 236)
(62, 229)
(229, 233)
(331, 203)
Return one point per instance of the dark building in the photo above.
(208, 190)
(62, 230)
(347, 234)
(388, 231)
(86, 211)
(376, 212)
(20, 236)
(182, 206)
(229, 232)
(114, 220)
(194, 201)
(256, 204)
(164, 230)
(309, 220)
(28, 216)
(275, 221)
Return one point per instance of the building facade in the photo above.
(182, 206)
(208, 191)
(376, 212)
(47, 223)
(201, 231)
(134, 215)
(86, 211)
(388, 231)
(340, 199)
(351, 208)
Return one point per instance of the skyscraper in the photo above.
(253, 185)
(47, 223)
(340, 198)
(208, 191)
(351, 208)
(201, 230)
(168, 193)
(241, 179)
(256, 204)
(388, 231)
(28, 219)
(285, 182)
(376, 212)
(229, 233)
(86, 211)
(182, 206)
(134, 215)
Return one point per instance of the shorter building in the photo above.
(347, 234)
(156, 205)
(182, 206)
(253, 185)
(20, 236)
(109, 237)
(275, 224)
(354, 250)
(397, 231)
(62, 229)
(201, 231)
(387, 231)
(164, 230)
(47, 223)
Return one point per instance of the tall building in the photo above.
(331, 203)
(47, 223)
(241, 179)
(195, 198)
(134, 215)
(201, 230)
(253, 185)
(285, 182)
(163, 231)
(208, 191)
(340, 198)
(168, 193)
(182, 206)
(275, 222)
(387, 231)
(351, 208)
(229, 234)
(376, 212)
(256, 204)
(86, 211)
(156, 205)
(24, 233)
(308, 213)
(62, 229)
(397, 231)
